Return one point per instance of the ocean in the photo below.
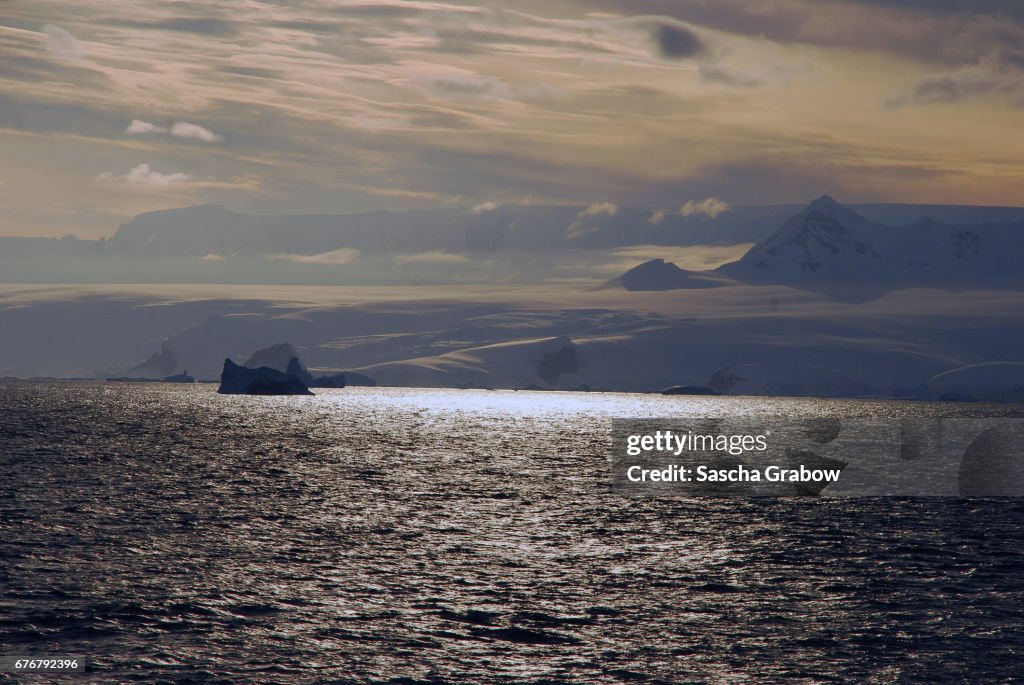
(390, 535)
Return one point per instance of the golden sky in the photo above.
(115, 107)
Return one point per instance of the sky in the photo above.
(116, 107)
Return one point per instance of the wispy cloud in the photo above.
(484, 208)
(586, 221)
(711, 207)
(432, 257)
(61, 44)
(714, 73)
(143, 175)
(599, 209)
(999, 73)
(345, 255)
(460, 83)
(180, 129)
(183, 129)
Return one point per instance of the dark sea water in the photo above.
(426, 536)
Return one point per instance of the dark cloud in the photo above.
(472, 41)
(949, 89)
(1012, 60)
(675, 41)
(957, 86)
(254, 72)
(945, 31)
(716, 74)
(206, 26)
(997, 74)
(310, 26)
(468, 85)
(779, 21)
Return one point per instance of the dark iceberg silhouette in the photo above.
(281, 357)
(240, 380)
(561, 359)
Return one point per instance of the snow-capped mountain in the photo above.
(830, 243)
(825, 237)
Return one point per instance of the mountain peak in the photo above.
(657, 274)
(824, 202)
(825, 238)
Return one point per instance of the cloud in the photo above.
(600, 208)
(143, 175)
(213, 257)
(61, 44)
(484, 208)
(432, 257)
(345, 255)
(462, 84)
(998, 74)
(253, 72)
(712, 73)
(456, 83)
(586, 221)
(676, 41)
(139, 127)
(711, 207)
(181, 129)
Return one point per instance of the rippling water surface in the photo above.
(401, 535)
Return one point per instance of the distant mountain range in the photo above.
(213, 229)
(827, 244)
(514, 243)
(798, 313)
